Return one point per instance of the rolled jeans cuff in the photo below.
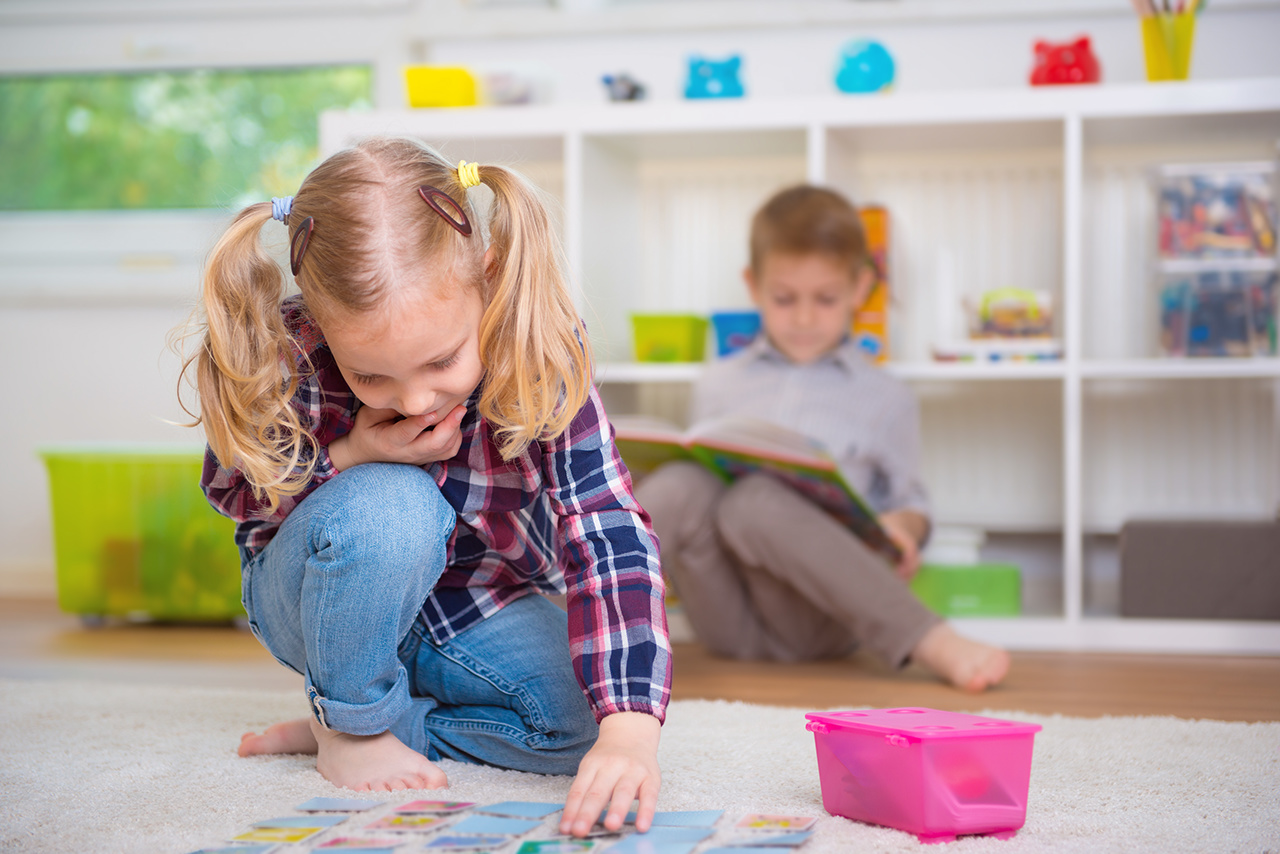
(362, 718)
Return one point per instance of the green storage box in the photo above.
(669, 337)
(973, 590)
(134, 536)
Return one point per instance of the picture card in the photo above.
(761, 821)
(555, 846)
(357, 843)
(644, 843)
(662, 840)
(678, 834)
(466, 843)
(492, 824)
(336, 805)
(748, 849)
(406, 823)
(772, 840)
(434, 806)
(596, 832)
(684, 818)
(311, 821)
(521, 809)
(681, 818)
(278, 834)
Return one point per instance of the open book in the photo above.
(733, 447)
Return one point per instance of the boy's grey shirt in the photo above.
(867, 420)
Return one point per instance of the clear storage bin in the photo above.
(1222, 312)
(1225, 210)
(134, 535)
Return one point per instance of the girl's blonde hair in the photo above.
(373, 235)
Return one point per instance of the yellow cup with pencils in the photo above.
(1166, 44)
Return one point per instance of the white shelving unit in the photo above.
(1040, 188)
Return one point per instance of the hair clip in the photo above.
(430, 194)
(298, 245)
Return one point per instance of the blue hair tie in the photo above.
(280, 208)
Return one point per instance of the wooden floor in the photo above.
(39, 642)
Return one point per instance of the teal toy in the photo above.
(864, 66)
(709, 79)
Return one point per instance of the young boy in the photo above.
(763, 572)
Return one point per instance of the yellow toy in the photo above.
(440, 86)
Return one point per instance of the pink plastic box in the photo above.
(932, 773)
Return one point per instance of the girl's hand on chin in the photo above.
(384, 436)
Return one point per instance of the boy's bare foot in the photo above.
(372, 763)
(288, 737)
(966, 664)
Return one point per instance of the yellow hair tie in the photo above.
(468, 174)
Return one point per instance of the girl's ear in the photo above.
(489, 268)
(749, 276)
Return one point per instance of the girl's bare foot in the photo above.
(288, 737)
(966, 664)
(372, 763)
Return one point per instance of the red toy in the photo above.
(1073, 62)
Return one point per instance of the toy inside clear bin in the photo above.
(1224, 210)
(1226, 313)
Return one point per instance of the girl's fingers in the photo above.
(648, 803)
(573, 805)
(624, 794)
(447, 428)
(371, 418)
(408, 430)
(441, 442)
(589, 812)
(452, 425)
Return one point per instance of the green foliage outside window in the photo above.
(182, 139)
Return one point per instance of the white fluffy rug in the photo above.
(103, 768)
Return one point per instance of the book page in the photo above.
(646, 428)
(766, 438)
(646, 442)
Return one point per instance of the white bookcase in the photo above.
(1040, 188)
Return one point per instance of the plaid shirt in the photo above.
(560, 518)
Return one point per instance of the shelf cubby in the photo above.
(1045, 188)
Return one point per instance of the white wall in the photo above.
(933, 54)
(98, 369)
(74, 374)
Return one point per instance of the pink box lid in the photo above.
(917, 723)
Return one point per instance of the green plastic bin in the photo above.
(971, 590)
(669, 337)
(134, 536)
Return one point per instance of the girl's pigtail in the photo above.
(537, 357)
(246, 370)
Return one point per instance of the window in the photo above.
(113, 187)
(156, 140)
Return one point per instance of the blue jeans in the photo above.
(336, 597)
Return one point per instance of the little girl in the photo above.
(413, 451)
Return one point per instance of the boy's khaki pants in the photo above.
(763, 573)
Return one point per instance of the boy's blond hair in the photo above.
(808, 220)
(374, 234)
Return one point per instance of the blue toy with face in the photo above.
(864, 66)
(708, 79)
